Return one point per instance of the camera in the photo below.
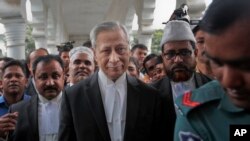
(65, 46)
(180, 14)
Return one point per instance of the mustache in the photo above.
(179, 66)
(14, 84)
(50, 88)
(81, 72)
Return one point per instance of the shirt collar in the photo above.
(107, 82)
(34, 84)
(107, 87)
(57, 99)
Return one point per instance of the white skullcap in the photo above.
(81, 49)
(177, 30)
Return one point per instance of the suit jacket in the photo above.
(83, 116)
(165, 89)
(27, 122)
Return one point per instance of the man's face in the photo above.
(14, 81)
(112, 53)
(200, 47)
(132, 70)
(179, 67)
(49, 79)
(150, 67)
(229, 55)
(140, 55)
(81, 67)
(159, 72)
(65, 57)
(33, 56)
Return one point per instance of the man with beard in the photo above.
(81, 64)
(212, 112)
(14, 82)
(178, 45)
(39, 118)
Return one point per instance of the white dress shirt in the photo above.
(179, 88)
(114, 97)
(48, 118)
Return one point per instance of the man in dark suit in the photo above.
(178, 54)
(110, 105)
(38, 119)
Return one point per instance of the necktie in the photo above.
(49, 118)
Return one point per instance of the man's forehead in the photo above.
(232, 43)
(13, 69)
(50, 64)
(177, 45)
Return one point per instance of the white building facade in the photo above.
(58, 21)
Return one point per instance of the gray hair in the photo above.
(81, 49)
(106, 26)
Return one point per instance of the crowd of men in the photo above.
(106, 90)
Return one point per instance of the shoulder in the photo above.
(199, 97)
(140, 86)
(80, 85)
(20, 106)
(201, 79)
(162, 82)
(27, 100)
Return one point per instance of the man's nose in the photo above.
(178, 58)
(82, 65)
(114, 57)
(50, 81)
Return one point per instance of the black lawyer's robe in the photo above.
(83, 116)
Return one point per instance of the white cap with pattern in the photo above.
(81, 49)
(177, 30)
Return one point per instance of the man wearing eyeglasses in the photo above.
(178, 54)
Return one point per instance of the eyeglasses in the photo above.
(172, 54)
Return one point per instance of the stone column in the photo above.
(145, 12)
(15, 37)
(196, 9)
(40, 41)
(145, 39)
(51, 46)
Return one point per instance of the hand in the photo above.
(8, 123)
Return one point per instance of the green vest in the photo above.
(206, 114)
